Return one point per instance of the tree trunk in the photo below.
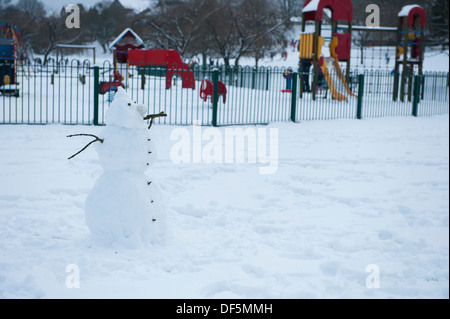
(47, 52)
(226, 60)
(104, 46)
(236, 62)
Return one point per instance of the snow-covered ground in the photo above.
(356, 209)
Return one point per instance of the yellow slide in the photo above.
(336, 95)
(342, 77)
(335, 63)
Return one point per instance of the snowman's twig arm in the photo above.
(97, 139)
(91, 135)
(151, 117)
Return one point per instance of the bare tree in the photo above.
(245, 28)
(33, 8)
(57, 33)
(178, 24)
(27, 16)
(106, 20)
(259, 26)
(4, 3)
(289, 8)
(220, 32)
(438, 25)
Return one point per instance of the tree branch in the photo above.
(97, 139)
(151, 117)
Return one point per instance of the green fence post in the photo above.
(143, 77)
(294, 97)
(360, 96)
(242, 78)
(396, 83)
(301, 77)
(422, 86)
(415, 109)
(215, 79)
(402, 85)
(253, 78)
(96, 89)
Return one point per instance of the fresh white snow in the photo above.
(353, 204)
(407, 9)
(312, 6)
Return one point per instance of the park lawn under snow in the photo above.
(350, 198)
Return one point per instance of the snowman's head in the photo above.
(125, 136)
(124, 112)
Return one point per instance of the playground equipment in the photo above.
(12, 54)
(8, 83)
(112, 86)
(311, 44)
(20, 53)
(333, 64)
(207, 88)
(127, 40)
(129, 48)
(410, 48)
(168, 59)
(373, 47)
(409, 44)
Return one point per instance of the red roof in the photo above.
(342, 9)
(411, 12)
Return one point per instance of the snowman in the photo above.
(125, 207)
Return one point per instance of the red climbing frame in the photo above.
(207, 88)
(417, 11)
(342, 10)
(166, 58)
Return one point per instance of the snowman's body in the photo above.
(125, 207)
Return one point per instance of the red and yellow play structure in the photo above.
(311, 44)
(410, 47)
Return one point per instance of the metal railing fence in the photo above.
(76, 92)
